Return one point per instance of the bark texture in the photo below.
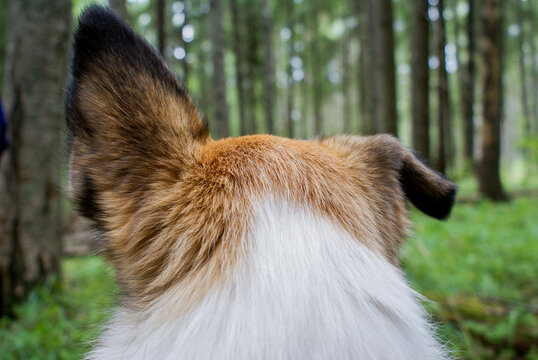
(33, 91)
(420, 78)
(488, 170)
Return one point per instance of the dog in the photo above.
(256, 247)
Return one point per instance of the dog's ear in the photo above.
(131, 125)
(428, 190)
(385, 158)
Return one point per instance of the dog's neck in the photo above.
(305, 289)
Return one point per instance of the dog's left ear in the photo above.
(132, 127)
(383, 155)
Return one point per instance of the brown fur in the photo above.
(174, 205)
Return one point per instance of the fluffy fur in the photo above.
(250, 247)
(305, 289)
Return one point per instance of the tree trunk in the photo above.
(488, 169)
(382, 63)
(3, 33)
(30, 196)
(420, 78)
(120, 8)
(185, 45)
(252, 64)
(522, 69)
(316, 71)
(220, 105)
(534, 62)
(269, 67)
(468, 87)
(346, 83)
(291, 83)
(365, 102)
(239, 65)
(160, 23)
(443, 127)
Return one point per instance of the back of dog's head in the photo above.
(171, 203)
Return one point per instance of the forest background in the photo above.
(456, 80)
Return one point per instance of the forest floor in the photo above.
(479, 269)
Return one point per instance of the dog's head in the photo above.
(171, 203)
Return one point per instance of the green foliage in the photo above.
(479, 270)
(61, 323)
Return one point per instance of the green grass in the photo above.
(479, 268)
(60, 324)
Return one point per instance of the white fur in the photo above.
(305, 290)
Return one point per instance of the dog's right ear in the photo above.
(131, 125)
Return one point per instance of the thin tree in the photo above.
(489, 161)
(253, 62)
(316, 67)
(443, 126)
(364, 75)
(468, 87)
(30, 195)
(220, 105)
(120, 8)
(346, 77)
(382, 62)
(269, 66)
(160, 24)
(534, 62)
(420, 73)
(522, 70)
(239, 56)
(290, 7)
(184, 44)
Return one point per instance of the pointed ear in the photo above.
(384, 156)
(131, 124)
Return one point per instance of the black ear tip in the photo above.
(94, 13)
(445, 208)
(98, 21)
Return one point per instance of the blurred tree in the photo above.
(531, 13)
(365, 76)
(522, 70)
(184, 44)
(269, 66)
(420, 78)
(382, 66)
(220, 105)
(237, 41)
(290, 11)
(443, 116)
(488, 167)
(3, 33)
(468, 87)
(160, 10)
(346, 73)
(253, 68)
(316, 67)
(30, 241)
(120, 8)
